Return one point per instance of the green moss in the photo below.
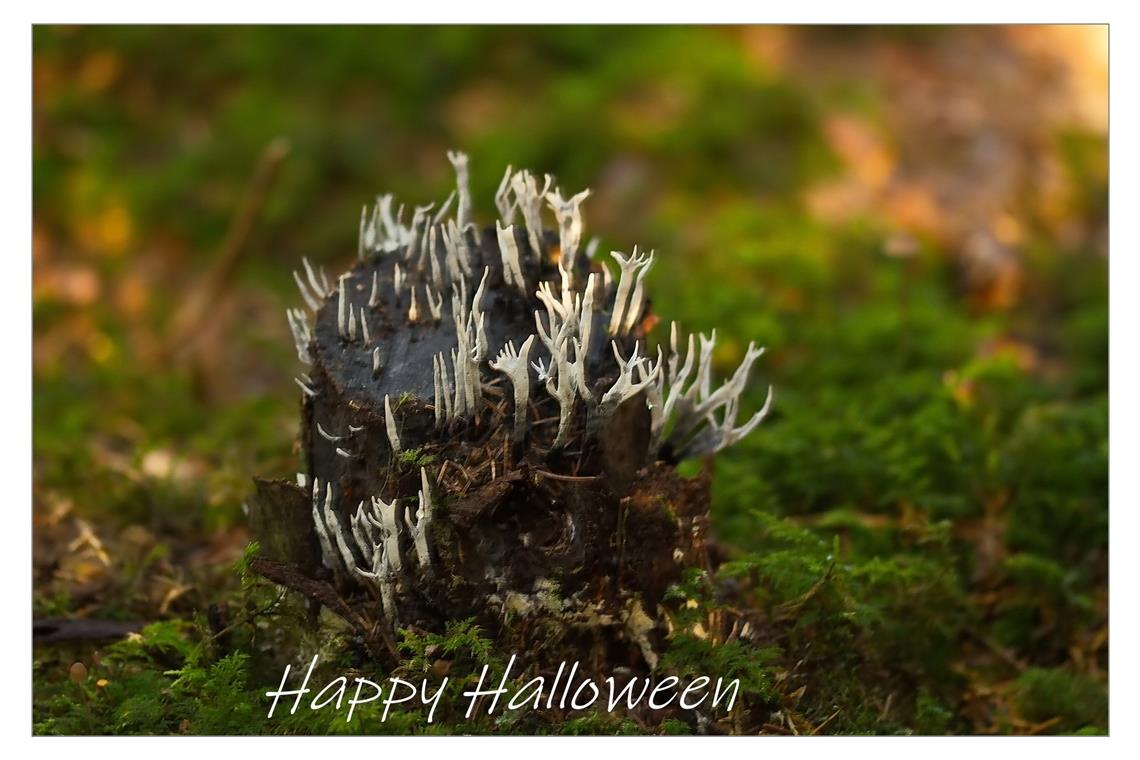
(599, 723)
(931, 716)
(1079, 703)
(415, 458)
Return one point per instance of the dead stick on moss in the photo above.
(567, 478)
(826, 720)
(623, 515)
(249, 617)
(200, 303)
(1039, 728)
(1000, 651)
(51, 631)
(794, 606)
(887, 707)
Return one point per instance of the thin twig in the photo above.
(826, 720)
(567, 478)
(199, 306)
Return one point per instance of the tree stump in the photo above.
(483, 435)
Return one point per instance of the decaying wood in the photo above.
(485, 434)
(323, 593)
(57, 630)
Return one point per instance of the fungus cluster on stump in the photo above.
(486, 434)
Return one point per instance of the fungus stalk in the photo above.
(439, 392)
(569, 215)
(383, 517)
(423, 519)
(514, 365)
(342, 309)
(562, 386)
(529, 200)
(586, 316)
(420, 220)
(363, 533)
(374, 296)
(302, 335)
(364, 333)
(636, 301)
(320, 287)
(413, 309)
(313, 302)
(624, 388)
(503, 203)
(328, 555)
(390, 426)
(463, 213)
(305, 388)
(328, 530)
(509, 249)
(630, 269)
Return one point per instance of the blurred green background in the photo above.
(912, 220)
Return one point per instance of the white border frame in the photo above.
(15, 301)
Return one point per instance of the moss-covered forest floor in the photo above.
(913, 221)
